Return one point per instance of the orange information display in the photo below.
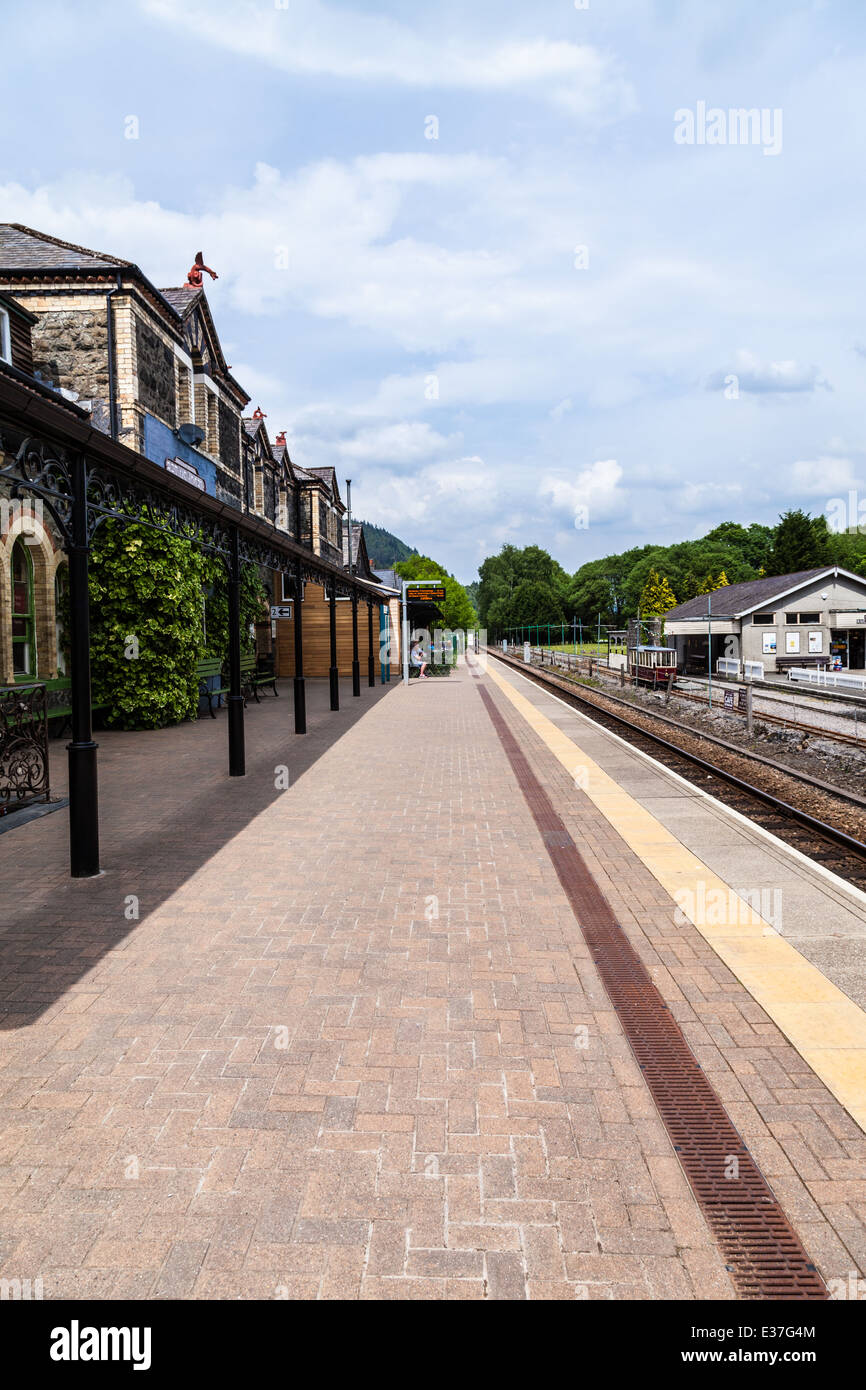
(425, 593)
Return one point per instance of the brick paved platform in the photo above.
(341, 1052)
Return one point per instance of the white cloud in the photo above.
(594, 495)
(450, 500)
(706, 498)
(405, 442)
(334, 226)
(455, 259)
(821, 476)
(308, 38)
(760, 378)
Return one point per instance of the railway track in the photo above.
(797, 726)
(833, 843)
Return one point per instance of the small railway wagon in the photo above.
(652, 665)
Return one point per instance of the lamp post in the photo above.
(710, 647)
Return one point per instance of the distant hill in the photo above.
(385, 551)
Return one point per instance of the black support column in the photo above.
(356, 665)
(333, 670)
(300, 695)
(83, 782)
(237, 752)
(371, 660)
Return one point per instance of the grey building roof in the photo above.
(182, 297)
(390, 578)
(736, 599)
(327, 474)
(22, 248)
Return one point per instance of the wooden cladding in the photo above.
(317, 637)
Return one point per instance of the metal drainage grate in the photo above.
(762, 1250)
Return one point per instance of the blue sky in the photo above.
(416, 311)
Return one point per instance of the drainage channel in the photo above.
(762, 1251)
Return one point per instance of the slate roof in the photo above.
(328, 475)
(32, 253)
(390, 578)
(182, 297)
(736, 599)
(22, 248)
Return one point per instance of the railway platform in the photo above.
(484, 1004)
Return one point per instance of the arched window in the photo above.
(23, 615)
(61, 609)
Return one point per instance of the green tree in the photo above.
(457, 610)
(690, 586)
(801, 542)
(500, 576)
(533, 601)
(383, 548)
(848, 549)
(657, 596)
(600, 587)
(710, 583)
(754, 543)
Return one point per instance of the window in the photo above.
(185, 409)
(5, 337)
(23, 617)
(802, 617)
(61, 604)
(763, 618)
(212, 429)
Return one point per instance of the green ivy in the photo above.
(146, 623)
(253, 604)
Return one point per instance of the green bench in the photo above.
(207, 668)
(58, 702)
(252, 680)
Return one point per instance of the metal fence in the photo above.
(24, 775)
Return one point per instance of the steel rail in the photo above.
(819, 827)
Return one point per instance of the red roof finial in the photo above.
(281, 438)
(259, 414)
(194, 276)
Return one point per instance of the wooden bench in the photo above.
(252, 680)
(784, 663)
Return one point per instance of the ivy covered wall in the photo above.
(153, 598)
